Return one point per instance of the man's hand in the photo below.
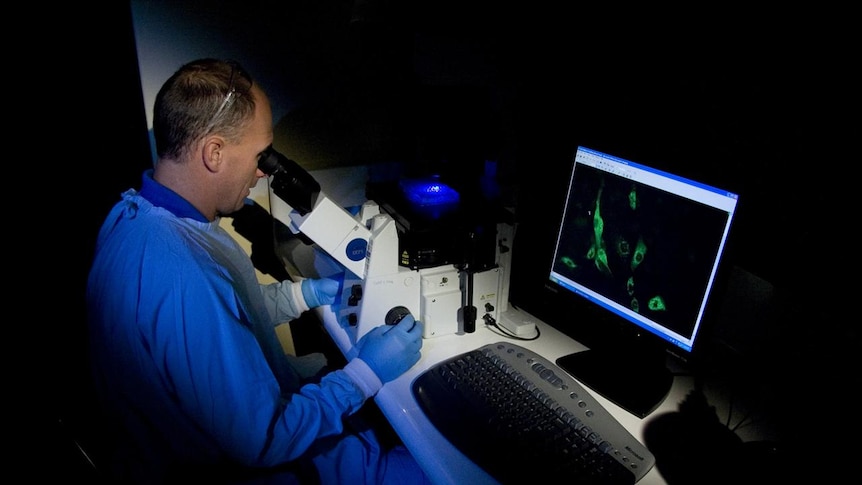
(317, 292)
(390, 350)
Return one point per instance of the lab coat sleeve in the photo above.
(284, 300)
(174, 351)
(195, 344)
(221, 376)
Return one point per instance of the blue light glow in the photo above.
(430, 197)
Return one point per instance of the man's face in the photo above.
(242, 173)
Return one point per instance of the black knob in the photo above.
(396, 314)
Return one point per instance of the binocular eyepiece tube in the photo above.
(290, 182)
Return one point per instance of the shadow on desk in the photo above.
(692, 446)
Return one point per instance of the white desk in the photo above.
(442, 462)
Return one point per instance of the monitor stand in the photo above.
(637, 380)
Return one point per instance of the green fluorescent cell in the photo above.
(598, 225)
(602, 261)
(656, 304)
(640, 252)
(623, 248)
(601, 255)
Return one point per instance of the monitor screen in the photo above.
(642, 243)
(632, 268)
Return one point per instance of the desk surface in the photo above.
(443, 463)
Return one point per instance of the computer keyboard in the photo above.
(524, 420)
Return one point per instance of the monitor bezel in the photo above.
(640, 363)
(609, 165)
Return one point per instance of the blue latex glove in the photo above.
(320, 291)
(389, 350)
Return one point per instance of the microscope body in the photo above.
(387, 284)
(378, 277)
(436, 295)
(366, 245)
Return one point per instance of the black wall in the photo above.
(94, 146)
(757, 104)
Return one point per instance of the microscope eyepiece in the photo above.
(290, 182)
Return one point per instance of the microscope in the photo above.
(448, 275)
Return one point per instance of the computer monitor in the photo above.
(634, 267)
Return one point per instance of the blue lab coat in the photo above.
(188, 365)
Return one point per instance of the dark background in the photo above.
(759, 103)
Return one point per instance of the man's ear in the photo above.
(213, 153)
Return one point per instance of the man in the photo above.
(184, 352)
